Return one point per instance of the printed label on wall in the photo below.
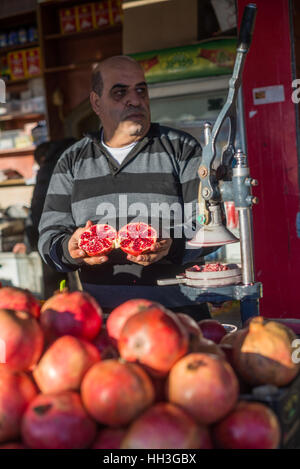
(268, 94)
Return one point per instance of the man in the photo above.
(129, 159)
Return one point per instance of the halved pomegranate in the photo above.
(136, 238)
(98, 240)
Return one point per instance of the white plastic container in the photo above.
(38, 104)
(22, 270)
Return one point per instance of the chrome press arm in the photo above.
(213, 169)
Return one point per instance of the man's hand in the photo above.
(19, 248)
(159, 250)
(79, 254)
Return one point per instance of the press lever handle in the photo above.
(247, 25)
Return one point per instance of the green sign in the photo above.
(204, 59)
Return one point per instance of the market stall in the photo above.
(143, 377)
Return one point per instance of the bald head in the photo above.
(120, 99)
(115, 62)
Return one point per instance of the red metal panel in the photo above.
(273, 160)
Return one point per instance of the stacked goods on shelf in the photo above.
(90, 16)
(148, 379)
(17, 37)
(19, 51)
(73, 37)
(25, 63)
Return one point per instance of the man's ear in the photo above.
(95, 102)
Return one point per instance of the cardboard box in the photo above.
(67, 19)
(84, 17)
(16, 63)
(101, 14)
(32, 62)
(159, 25)
(116, 11)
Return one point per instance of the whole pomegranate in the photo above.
(105, 345)
(250, 425)
(137, 238)
(76, 313)
(208, 346)
(192, 328)
(228, 351)
(166, 426)
(64, 364)
(212, 330)
(230, 344)
(58, 421)
(264, 353)
(121, 313)
(109, 438)
(232, 337)
(114, 393)
(98, 240)
(19, 299)
(16, 392)
(155, 338)
(21, 339)
(204, 385)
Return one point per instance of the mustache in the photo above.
(134, 110)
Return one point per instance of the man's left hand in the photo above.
(159, 250)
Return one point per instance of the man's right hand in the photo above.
(19, 248)
(79, 254)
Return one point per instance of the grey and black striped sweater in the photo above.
(87, 183)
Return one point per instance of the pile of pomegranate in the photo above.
(148, 379)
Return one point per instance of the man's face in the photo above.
(123, 106)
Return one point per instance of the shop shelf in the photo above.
(17, 151)
(26, 45)
(82, 34)
(23, 116)
(69, 67)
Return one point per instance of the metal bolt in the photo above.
(205, 192)
(203, 172)
(251, 200)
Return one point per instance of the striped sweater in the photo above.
(157, 183)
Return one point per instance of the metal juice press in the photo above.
(234, 281)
